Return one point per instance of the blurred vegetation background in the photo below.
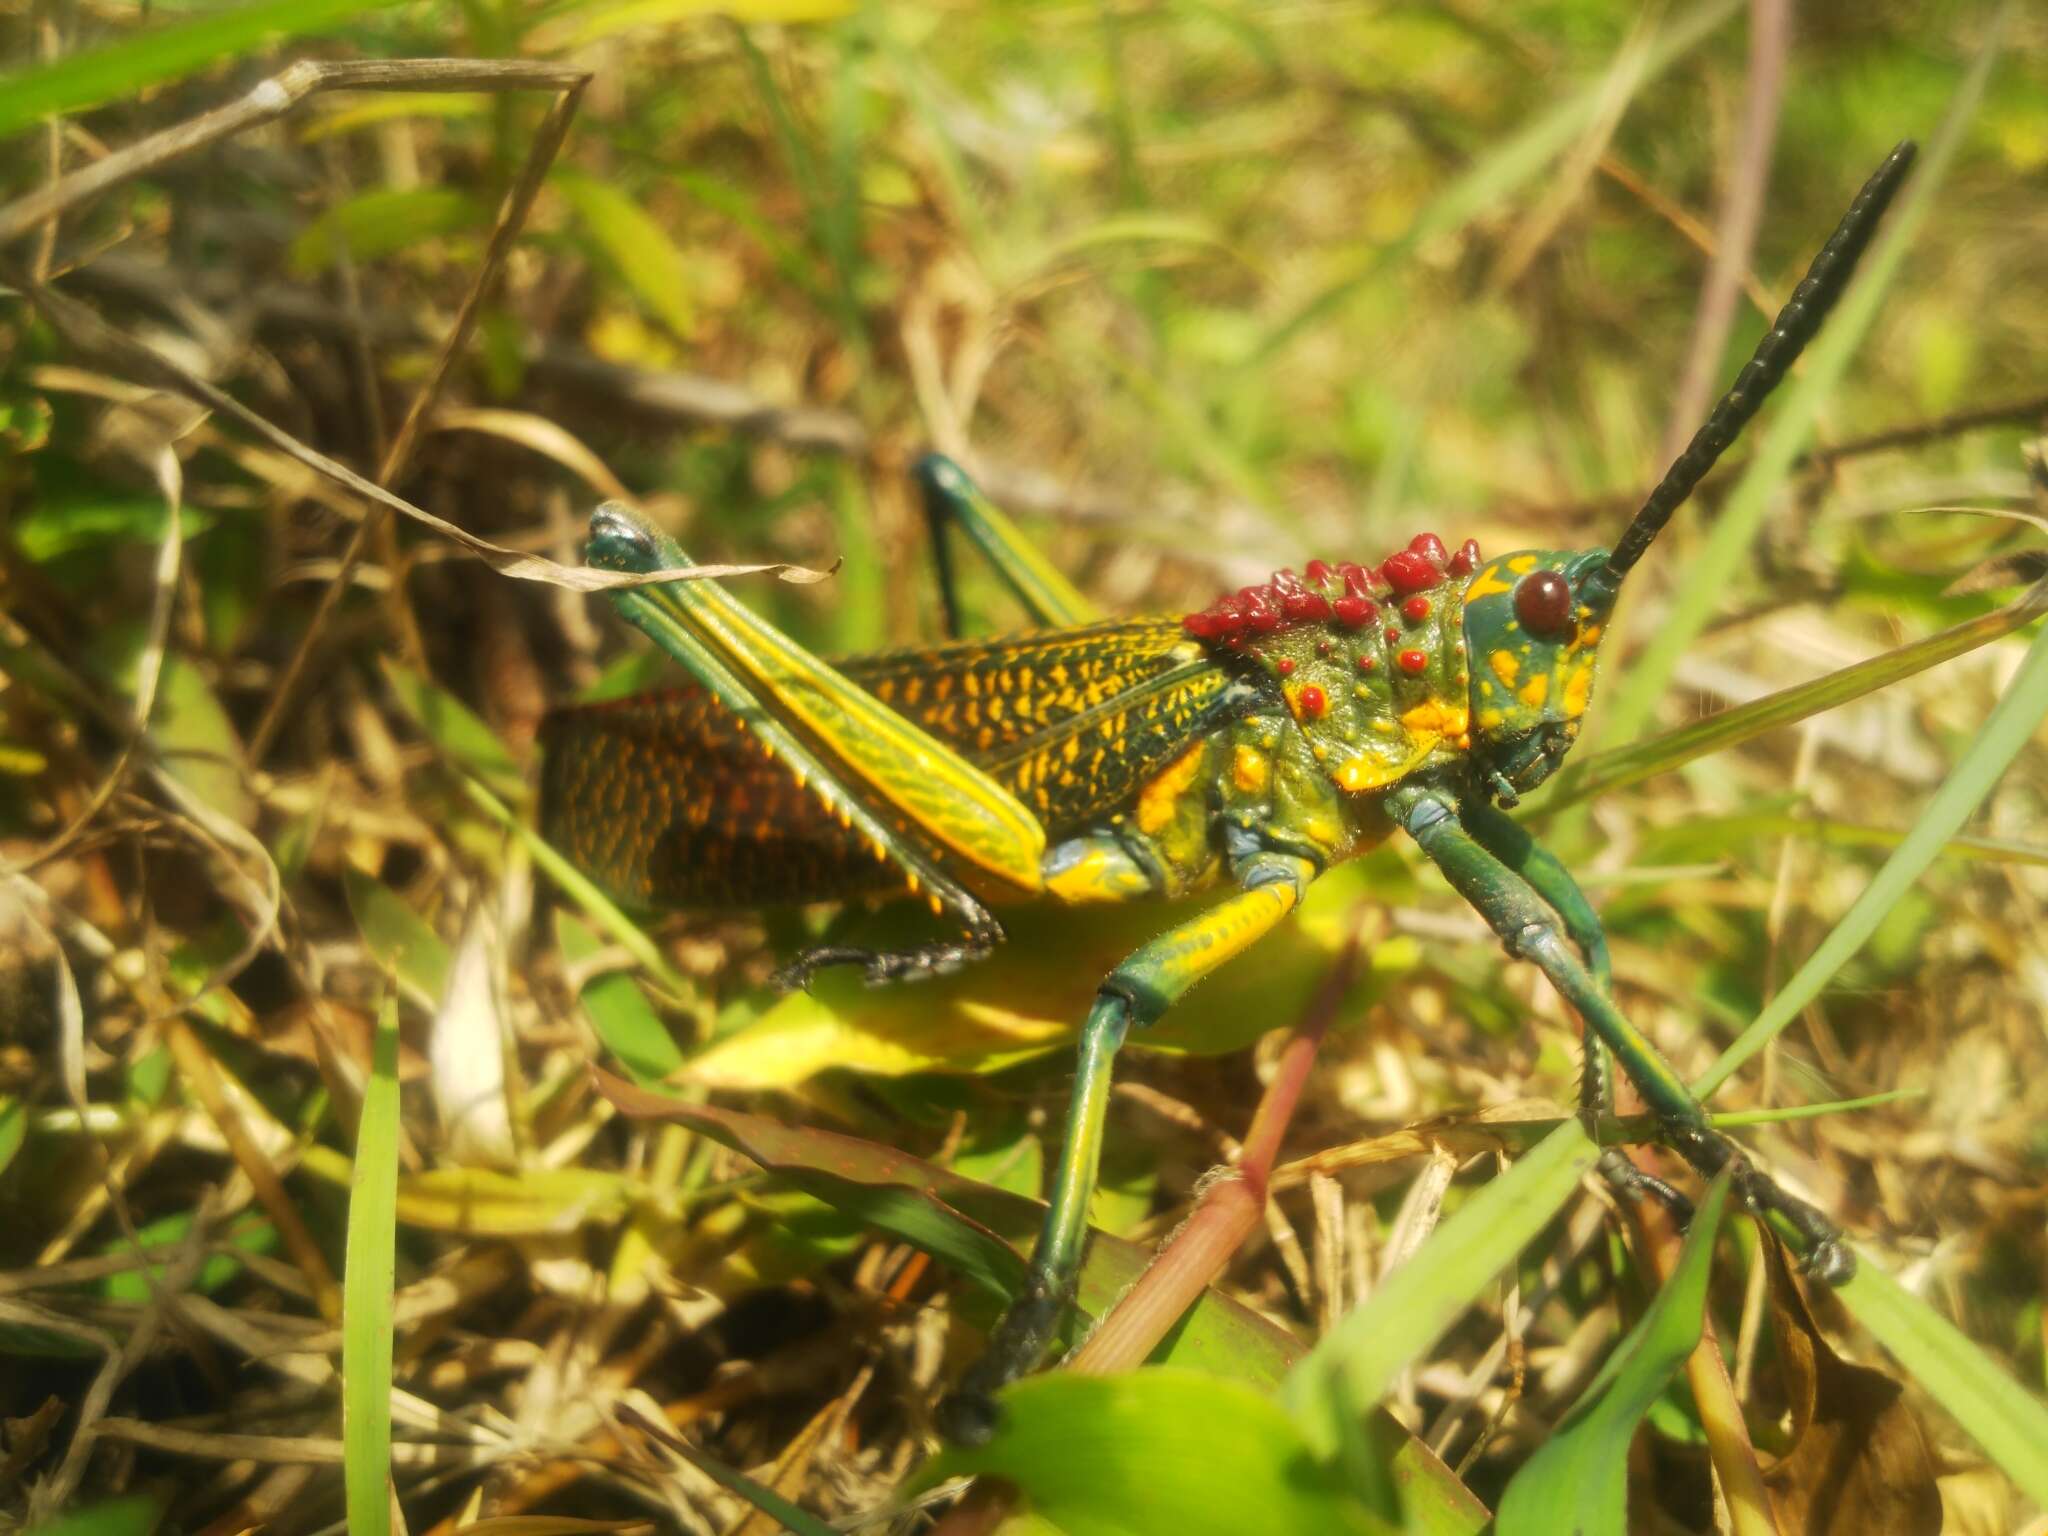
(1197, 290)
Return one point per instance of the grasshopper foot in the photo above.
(880, 966)
(1823, 1254)
(970, 1414)
(1632, 1183)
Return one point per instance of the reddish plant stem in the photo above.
(1230, 1209)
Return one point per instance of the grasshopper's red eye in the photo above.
(1543, 603)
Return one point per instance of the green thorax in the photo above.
(1372, 661)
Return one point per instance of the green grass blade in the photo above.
(151, 57)
(2006, 1420)
(1711, 571)
(619, 1011)
(455, 729)
(794, 1518)
(2011, 724)
(1356, 1362)
(1578, 1480)
(1511, 165)
(13, 1128)
(368, 1285)
(1619, 767)
(601, 909)
(1721, 832)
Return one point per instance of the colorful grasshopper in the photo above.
(1255, 743)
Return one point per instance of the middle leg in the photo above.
(1137, 992)
(1511, 843)
(1530, 929)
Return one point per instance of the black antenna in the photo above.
(1787, 338)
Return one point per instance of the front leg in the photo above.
(1511, 843)
(1530, 929)
(1137, 992)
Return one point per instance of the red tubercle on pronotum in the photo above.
(1345, 593)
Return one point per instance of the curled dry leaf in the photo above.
(1858, 1464)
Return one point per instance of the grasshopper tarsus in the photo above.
(970, 1415)
(1633, 1183)
(968, 1418)
(1822, 1253)
(879, 967)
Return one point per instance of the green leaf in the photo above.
(534, 1202)
(383, 220)
(149, 57)
(369, 1284)
(1711, 569)
(399, 938)
(250, 1234)
(13, 1128)
(1353, 1366)
(1578, 1479)
(455, 729)
(135, 1516)
(1159, 1449)
(47, 528)
(637, 247)
(2004, 1418)
(194, 734)
(619, 1011)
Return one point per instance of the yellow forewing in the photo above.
(913, 780)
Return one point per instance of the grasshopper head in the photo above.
(1533, 623)
(619, 541)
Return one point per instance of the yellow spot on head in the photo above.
(1249, 770)
(1490, 719)
(1521, 565)
(1488, 582)
(1578, 688)
(1535, 691)
(1506, 666)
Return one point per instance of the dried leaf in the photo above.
(1859, 1463)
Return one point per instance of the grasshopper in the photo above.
(1250, 745)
